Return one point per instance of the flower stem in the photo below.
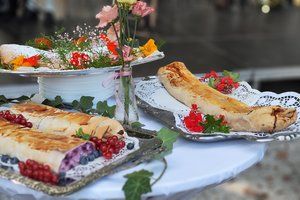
(162, 173)
(134, 33)
(126, 81)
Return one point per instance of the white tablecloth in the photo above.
(191, 165)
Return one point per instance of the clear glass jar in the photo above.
(126, 108)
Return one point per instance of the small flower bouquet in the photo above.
(115, 19)
(111, 43)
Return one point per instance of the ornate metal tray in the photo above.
(155, 100)
(46, 72)
(146, 147)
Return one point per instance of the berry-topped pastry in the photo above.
(53, 120)
(60, 152)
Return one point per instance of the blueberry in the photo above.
(97, 154)
(84, 160)
(4, 167)
(5, 158)
(91, 157)
(62, 174)
(130, 146)
(14, 161)
(65, 181)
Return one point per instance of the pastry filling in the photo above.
(73, 157)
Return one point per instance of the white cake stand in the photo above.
(73, 84)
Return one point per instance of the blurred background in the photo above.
(258, 38)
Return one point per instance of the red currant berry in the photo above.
(115, 138)
(93, 139)
(54, 179)
(20, 116)
(111, 150)
(13, 116)
(116, 150)
(29, 125)
(46, 167)
(103, 147)
(29, 172)
(21, 165)
(107, 155)
(122, 144)
(23, 122)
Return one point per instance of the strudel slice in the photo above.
(8, 52)
(186, 88)
(60, 152)
(53, 120)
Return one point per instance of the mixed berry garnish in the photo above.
(225, 83)
(17, 119)
(197, 122)
(37, 171)
(109, 146)
(193, 120)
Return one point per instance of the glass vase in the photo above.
(126, 108)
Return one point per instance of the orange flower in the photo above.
(80, 41)
(21, 61)
(43, 43)
(149, 48)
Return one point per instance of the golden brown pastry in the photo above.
(49, 119)
(186, 88)
(60, 152)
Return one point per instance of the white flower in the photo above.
(127, 1)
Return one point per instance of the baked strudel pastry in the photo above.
(186, 88)
(60, 152)
(8, 52)
(53, 120)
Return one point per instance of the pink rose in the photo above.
(107, 15)
(141, 9)
(127, 53)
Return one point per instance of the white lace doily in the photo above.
(153, 92)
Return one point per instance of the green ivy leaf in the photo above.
(86, 103)
(57, 102)
(137, 183)
(168, 138)
(3, 100)
(104, 109)
(137, 125)
(234, 76)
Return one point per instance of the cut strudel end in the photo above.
(187, 88)
(49, 119)
(60, 152)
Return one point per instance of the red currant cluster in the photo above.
(224, 84)
(37, 171)
(112, 145)
(17, 119)
(193, 120)
(79, 60)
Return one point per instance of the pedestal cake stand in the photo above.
(73, 84)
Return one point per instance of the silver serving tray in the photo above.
(156, 101)
(150, 146)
